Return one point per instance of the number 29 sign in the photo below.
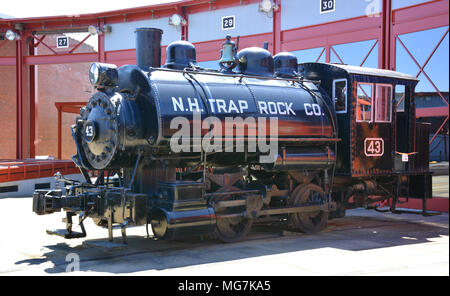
(373, 147)
(228, 22)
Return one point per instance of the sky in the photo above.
(36, 8)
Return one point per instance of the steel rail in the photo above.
(277, 211)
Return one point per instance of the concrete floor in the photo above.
(363, 243)
(440, 186)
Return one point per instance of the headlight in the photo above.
(93, 73)
(101, 74)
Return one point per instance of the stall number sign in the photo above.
(228, 22)
(327, 6)
(62, 42)
(374, 147)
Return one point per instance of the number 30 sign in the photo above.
(327, 6)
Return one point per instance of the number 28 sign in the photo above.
(373, 147)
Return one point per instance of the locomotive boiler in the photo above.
(192, 151)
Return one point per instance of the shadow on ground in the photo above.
(353, 233)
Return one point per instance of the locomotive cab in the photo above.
(375, 111)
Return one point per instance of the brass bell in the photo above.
(228, 59)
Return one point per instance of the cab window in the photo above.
(383, 110)
(340, 95)
(400, 97)
(364, 102)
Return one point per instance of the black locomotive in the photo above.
(261, 140)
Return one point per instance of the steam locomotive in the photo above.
(193, 151)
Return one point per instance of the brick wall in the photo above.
(55, 83)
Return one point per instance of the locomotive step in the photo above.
(66, 234)
(118, 226)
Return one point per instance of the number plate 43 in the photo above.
(373, 147)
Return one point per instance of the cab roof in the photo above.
(374, 72)
(356, 70)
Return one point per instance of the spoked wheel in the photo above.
(234, 229)
(308, 222)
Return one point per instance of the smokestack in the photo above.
(148, 47)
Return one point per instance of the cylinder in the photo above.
(148, 47)
(179, 224)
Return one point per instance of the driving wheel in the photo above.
(308, 222)
(233, 229)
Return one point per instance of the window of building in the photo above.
(213, 65)
(437, 66)
(340, 95)
(364, 102)
(313, 55)
(383, 111)
(361, 53)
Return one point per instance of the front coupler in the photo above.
(108, 206)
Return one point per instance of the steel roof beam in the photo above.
(61, 58)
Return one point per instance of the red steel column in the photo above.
(276, 34)
(327, 53)
(386, 31)
(19, 66)
(59, 132)
(32, 102)
(101, 43)
(21, 98)
(184, 28)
